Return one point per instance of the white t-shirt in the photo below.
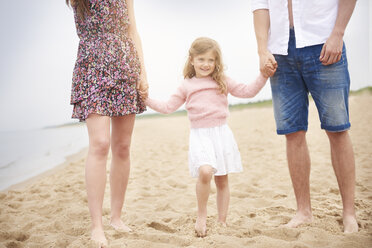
(313, 22)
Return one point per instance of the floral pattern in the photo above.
(107, 67)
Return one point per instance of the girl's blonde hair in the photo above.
(200, 46)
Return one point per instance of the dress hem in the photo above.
(108, 115)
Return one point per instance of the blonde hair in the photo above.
(201, 46)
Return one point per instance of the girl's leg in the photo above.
(122, 128)
(223, 197)
(95, 171)
(202, 193)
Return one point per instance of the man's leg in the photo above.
(329, 86)
(343, 162)
(299, 169)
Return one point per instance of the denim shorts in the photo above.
(300, 73)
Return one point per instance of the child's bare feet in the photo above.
(350, 224)
(201, 227)
(98, 237)
(119, 226)
(298, 220)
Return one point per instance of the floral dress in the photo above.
(107, 67)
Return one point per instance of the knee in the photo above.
(121, 150)
(337, 135)
(205, 174)
(100, 146)
(221, 182)
(296, 138)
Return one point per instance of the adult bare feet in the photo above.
(119, 226)
(299, 219)
(201, 227)
(350, 224)
(98, 237)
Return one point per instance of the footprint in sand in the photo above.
(334, 191)
(161, 227)
(15, 238)
(280, 219)
(286, 234)
(280, 196)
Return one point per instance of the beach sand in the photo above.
(160, 205)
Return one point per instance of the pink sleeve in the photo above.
(246, 90)
(175, 101)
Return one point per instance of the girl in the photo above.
(108, 74)
(212, 148)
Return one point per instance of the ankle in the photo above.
(115, 218)
(349, 214)
(97, 228)
(305, 213)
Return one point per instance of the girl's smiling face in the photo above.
(204, 64)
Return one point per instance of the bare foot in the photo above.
(201, 227)
(350, 224)
(222, 224)
(119, 226)
(298, 220)
(98, 237)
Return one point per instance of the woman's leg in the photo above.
(95, 170)
(223, 197)
(203, 187)
(122, 128)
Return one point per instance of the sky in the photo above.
(39, 45)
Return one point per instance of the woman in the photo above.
(108, 76)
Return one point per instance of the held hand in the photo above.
(270, 68)
(332, 50)
(268, 64)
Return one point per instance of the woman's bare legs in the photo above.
(223, 197)
(95, 171)
(122, 128)
(203, 187)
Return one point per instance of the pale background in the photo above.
(38, 48)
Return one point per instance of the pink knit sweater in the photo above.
(205, 106)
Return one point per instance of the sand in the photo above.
(160, 206)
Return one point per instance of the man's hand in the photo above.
(332, 50)
(268, 64)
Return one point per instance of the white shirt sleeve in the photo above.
(259, 4)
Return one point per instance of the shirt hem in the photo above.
(208, 123)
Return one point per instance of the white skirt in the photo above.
(216, 147)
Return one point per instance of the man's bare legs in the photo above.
(299, 168)
(343, 162)
(95, 171)
(344, 166)
(203, 188)
(223, 197)
(122, 128)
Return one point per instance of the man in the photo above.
(306, 38)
